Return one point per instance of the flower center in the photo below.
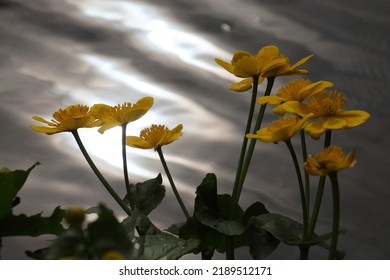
(291, 90)
(71, 112)
(281, 123)
(154, 134)
(326, 103)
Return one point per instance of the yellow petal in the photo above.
(243, 85)
(239, 55)
(315, 129)
(43, 121)
(247, 67)
(354, 117)
(45, 129)
(334, 123)
(301, 61)
(296, 108)
(270, 100)
(145, 103)
(314, 88)
(137, 142)
(269, 51)
(225, 65)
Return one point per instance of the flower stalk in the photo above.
(99, 175)
(336, 215)
(175, 191)
(248, 155)
(124, 159)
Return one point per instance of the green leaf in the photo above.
(22, 225)
(166, 246)
(206, 193)
(139, 222)
(146, 196)
(106, 233)
(210, 239)
(212, 210)
(282, 228)
(256, 209)
(261, 243)
(10, 184)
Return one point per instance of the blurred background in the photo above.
(57, 53)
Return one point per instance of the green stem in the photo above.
(245, 140)
(301, 188)
(320, 191)
(336, 215)
(307, 178)
(99, 175)
(124, 159)
(175, 191)
(248, 156)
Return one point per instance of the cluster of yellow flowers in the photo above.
(315, 109)
(104, 116)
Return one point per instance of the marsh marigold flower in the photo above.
(111, 116)
(328, 110)
(280, 130)
(330, 159)
(248, 66)
(155, 137)
(69, 119)
(294, 91)
(268, 62)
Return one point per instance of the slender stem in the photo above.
(245, 139)
(317, 206)
(320, 191)
(301, 188)
(124, 159)
(336, 215)
(328, 138)
(175, 191)
(248, 156)
(99, 175)
(307, 178)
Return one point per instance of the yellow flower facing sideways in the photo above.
(66, 120)
(327, 109)
(330, 159)
(155, 137)
(248, 66)
(280, 130)
(112, 116)
(294, 91)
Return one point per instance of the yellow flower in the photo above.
(328, 109)
(69, 119)
(111, 116)
(295, 91)
(112, 255)
(330, 159)
(286, 69)
(248, 66)
(154, 137)
(280, 130)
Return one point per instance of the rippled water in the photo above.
(56, 53)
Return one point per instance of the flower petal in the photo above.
(301, 61)
(225, 65)
(138, 142)
(243, 85)
(354, 117)
(334, 123)
(45, 129)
